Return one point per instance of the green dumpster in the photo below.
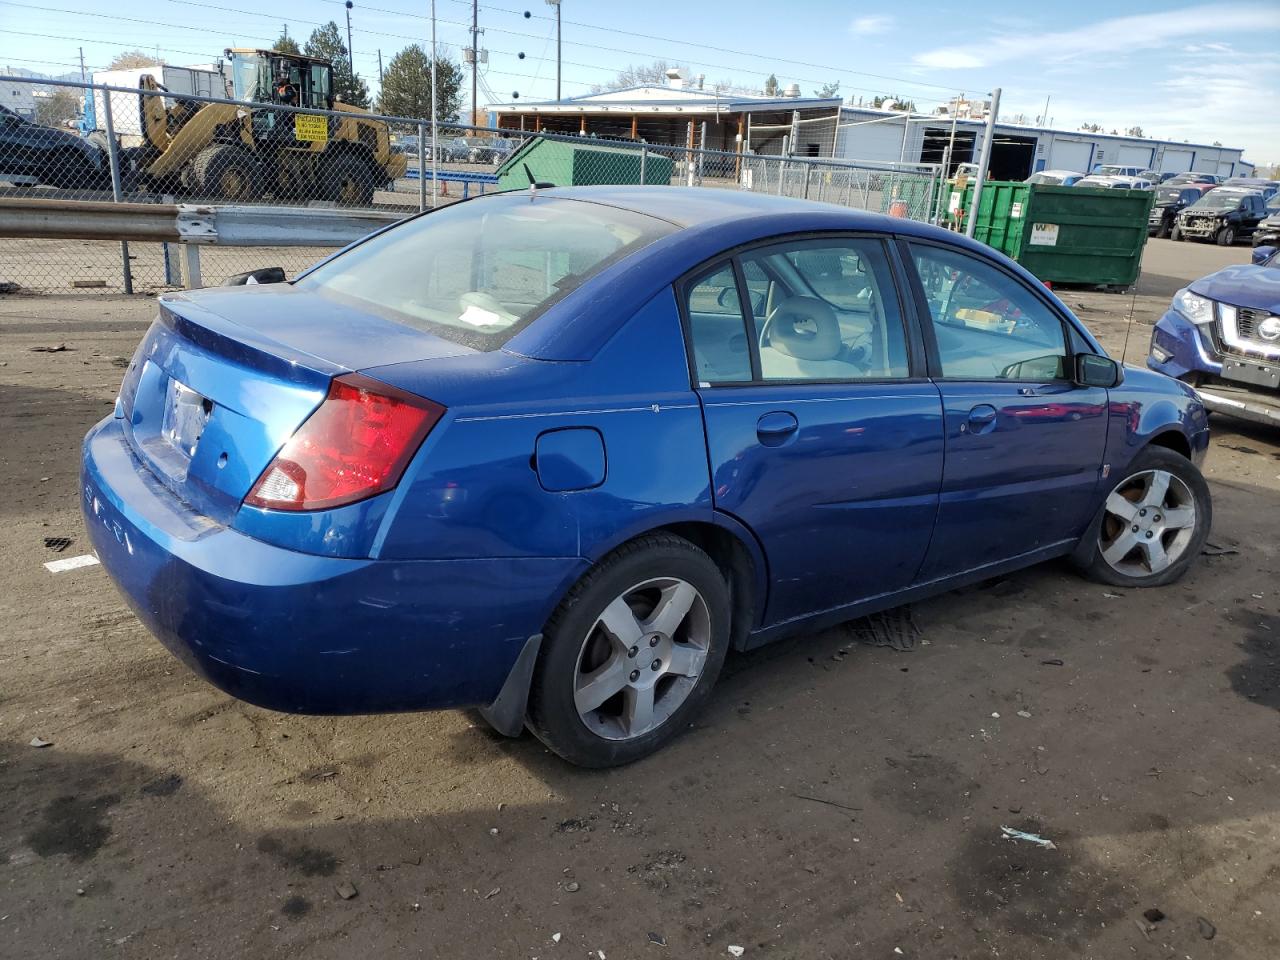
(565, 163)
(1065, 234)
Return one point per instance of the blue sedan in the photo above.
(553, 454)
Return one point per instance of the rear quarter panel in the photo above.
(473, 491)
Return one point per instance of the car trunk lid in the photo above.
(224, 377)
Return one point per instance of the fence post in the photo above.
(422, 165)
(983, 163)
(644, 156)
(113, 160)
(782, 162)
(191, 265)
(808, 173)
(702, 146)
(688, 157)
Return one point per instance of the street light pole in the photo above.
(556, 4)
(351, 55)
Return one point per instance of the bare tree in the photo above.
(130, 59)
(641, 75)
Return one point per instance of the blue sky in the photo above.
(1199, 72)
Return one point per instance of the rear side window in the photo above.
(826, 310)
(477, 272)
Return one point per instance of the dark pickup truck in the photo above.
(1225, 215)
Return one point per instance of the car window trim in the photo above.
(927, 324)
(917, 356)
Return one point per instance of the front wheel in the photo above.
(1226, 236)
(1152, 525)
(631, 653)
(1175, 233)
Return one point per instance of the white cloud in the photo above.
(876, 23)
(1116, 36)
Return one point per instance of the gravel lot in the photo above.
(826, 805)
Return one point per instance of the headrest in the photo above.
(805, 328)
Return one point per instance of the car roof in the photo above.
(695, 206)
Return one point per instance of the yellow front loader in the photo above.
(234, 152)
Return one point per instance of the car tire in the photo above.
(1161, 509)
(1226, 236)
(648, 676)
(1162, 231)
(1175, 233)
(226, 172)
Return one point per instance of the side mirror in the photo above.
(1093, 370)
(265, 275)
(728, 298)
(1263, 254)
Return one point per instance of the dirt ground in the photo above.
(826, 805)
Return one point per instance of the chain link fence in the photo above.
(160, 145)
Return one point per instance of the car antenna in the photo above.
(535, 185)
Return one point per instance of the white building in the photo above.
(19, 97)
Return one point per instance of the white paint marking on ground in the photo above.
(71, 563)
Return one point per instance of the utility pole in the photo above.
(351, 54)
(82, 77)
(379, 66)
(435, 129)
(971, 222)
(556, 4)
(475, 57)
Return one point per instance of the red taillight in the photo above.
(355, 445)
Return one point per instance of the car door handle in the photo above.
(773, 428)
(981, 415)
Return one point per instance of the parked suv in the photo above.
(51, 156)
(1225, 215)
(1221, 335)
(1170, 201)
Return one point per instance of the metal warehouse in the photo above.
(682, 113)
(1020, 150)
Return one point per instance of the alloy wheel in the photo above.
(642, 658)
(1149, 521)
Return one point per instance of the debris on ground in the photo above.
(346, 890)
(657, 939)
(60, 348)
(1052, 662)
(736, 951)
(1011, 834)
(1207, 929)
(38, 742)
(1025, 714)
(894, 628)
(58, 544)
(493, 893)
(555, 938)
(573, 886)
(1154, 915)
(829, 803)
(1213, 550)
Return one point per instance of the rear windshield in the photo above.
(477, 272)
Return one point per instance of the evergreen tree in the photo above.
(325, 43)
(406, 86)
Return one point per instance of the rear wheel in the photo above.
(631, 653)
(348, 180)
(226, 172)
(1152, 525)
(1162, 231)
(1226, 236)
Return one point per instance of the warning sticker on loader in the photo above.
(1044, 235)
(308, 127)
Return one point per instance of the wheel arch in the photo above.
(1172, 439)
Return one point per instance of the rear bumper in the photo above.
(302, 633)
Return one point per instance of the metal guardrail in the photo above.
(189, 225)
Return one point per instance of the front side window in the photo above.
(477, 272)
(988, 325)
(825, 310)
